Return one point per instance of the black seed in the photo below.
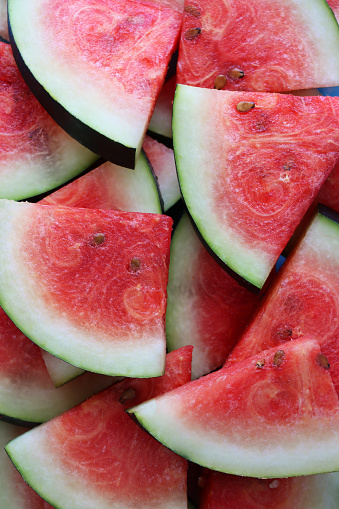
(98, 239)
(220, 81)
(278, 358)
(192, 33)
(193, 11)
(260, 364)
(322, 361)
(245, 106)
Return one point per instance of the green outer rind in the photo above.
(53, 333)
(249, 264)
(316, 454)
(31, 455)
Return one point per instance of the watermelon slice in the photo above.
(225, 491)
(26, 391)
(14, 492)
(89, 286)
(304, 300)
(248, 177)
(334, 4)
(112, 187)
(163, 164)
(206, 307)
(95, 455)
(258, 45)
(36, 155)
(273, 415)
(100, 86)
(161, 121)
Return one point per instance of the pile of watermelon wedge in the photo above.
(169, 288)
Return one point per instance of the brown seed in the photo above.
(245, 106)
(135, 264)
(192, 33)
(127, 395)
(98, 239)
(193, 11)
(322, 361)
(278, 358)
(260, 364)
(236, 73)
(220, 81)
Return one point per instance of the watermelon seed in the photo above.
(260, 364)
(322, 361)
(220, 81)
(127, 395)
(193, 11)
(98, 239)
(278, 358)
(135, 264)
(236, 73)
(245, 106)
(192, 33)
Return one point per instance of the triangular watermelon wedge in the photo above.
(89, 286)
(273, 415)
(99, 74)
(95, 455)
(249, 166)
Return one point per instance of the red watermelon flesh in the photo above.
(101, 274)
(36, 154)
(163, 164)
(102, 457)
(255, 180)
(256, 418)
(334, 4)
(108, 75)
(225, 491)
(329, 193)
(304, 300)
(133, 391)
(206, 307)
(264, 46)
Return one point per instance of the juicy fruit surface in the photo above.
(133, 391)
(99, 449)
(304, 300)
(224, 491)
(32, 148)
(206, 306)
(109, 54)
(265, 46)
(111, 187)
(62, 251)
(255, 418)
(68, 250)
(256, 178)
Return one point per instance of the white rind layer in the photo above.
(194, 169)
(143, 356)
(32, 402)
(294, 454)
(31, 454)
